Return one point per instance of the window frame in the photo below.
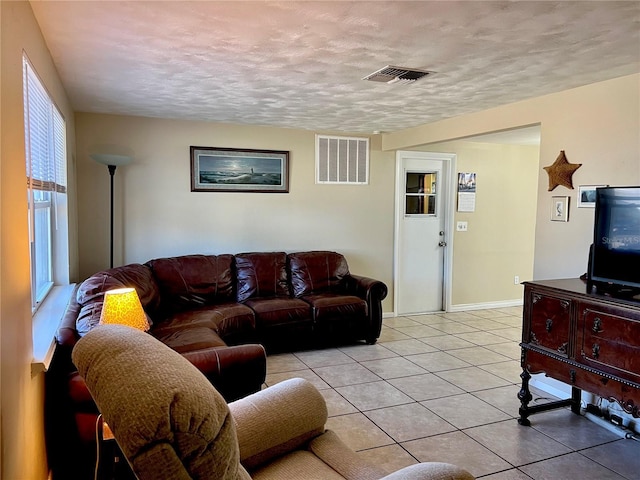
(46, 165)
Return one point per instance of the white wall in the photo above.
(21, 394)
(597, 125)
(157, 215)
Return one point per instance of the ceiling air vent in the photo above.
(391, 74)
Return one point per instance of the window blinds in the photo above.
(45, 137)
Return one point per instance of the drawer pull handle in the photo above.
(597, 325)
(596, 350)
(549, 324)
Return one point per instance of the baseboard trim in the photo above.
(463, 307)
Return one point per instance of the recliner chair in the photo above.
(171, 423)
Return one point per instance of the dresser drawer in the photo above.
(549, 324)
(610, 340)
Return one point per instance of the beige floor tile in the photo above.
(488, 313)
(512, 333)
(515, 311)
(358, 432)
(409, 422)
(390, 334)
(368, 396)
(574, 431)
(508, 349)
(471, 379)
(481, 338)
(429, 319)
(412, 346)
(396, 322)
(315, 380)
(512, 474)
(425, 387)
(284, 362)
(510, 321)
(347, 374)
(420, 331)
(509, 370)
(323, 358)
(621, 456)
(473, 397)
(504, 398)
(437, 361)
(393, 367)
(483, 324)
(458, 449)
(390, 458)
(457, 315)
(479, 356)
(365, 352)
(447, 342)
(455, 327)
(573, 465)
(456, 410)
(525, 445)
(336, 403)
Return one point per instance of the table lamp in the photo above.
(122, 306)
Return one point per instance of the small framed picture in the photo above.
(559, 209)
(587, 195)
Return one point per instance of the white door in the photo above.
(422, 239)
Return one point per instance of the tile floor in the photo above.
(442, 387)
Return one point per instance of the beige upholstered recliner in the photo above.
(171, 423)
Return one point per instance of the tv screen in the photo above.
(615, 258)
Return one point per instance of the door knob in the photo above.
(442, 243)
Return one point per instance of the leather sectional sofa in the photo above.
(218, 311)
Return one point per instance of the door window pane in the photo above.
(420, 193)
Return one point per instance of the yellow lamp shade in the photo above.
(122, 306)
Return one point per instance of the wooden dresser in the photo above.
(586, 340)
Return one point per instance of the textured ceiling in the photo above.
(300, 64)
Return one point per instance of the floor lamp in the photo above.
(111, 161)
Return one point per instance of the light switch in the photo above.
(461, 226)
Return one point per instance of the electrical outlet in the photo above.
(516, 280)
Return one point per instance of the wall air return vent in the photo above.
(391, 74)
(342, 160)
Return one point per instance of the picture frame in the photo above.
(587, 195)
(215, 169)
(560, 209)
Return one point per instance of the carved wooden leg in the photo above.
(524, 395)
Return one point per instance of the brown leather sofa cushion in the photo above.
(261, 275)
(191, 281)
(279, 311)
(317, 272)
(234, 322)
(189, 339)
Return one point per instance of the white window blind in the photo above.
(45, 147)
(45, 131)
(342, 160)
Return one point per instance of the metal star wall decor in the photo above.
(561, 171)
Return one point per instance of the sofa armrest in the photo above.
(430, 471)
(67, 335)
(278, 420)
(235, 371)
(373, 292)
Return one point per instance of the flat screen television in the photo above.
(614, 264)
